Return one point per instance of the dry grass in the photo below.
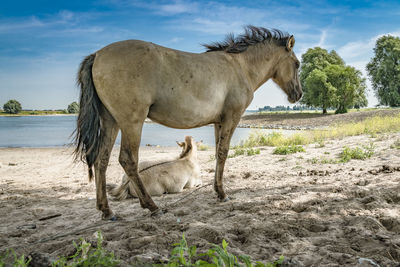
(371, 126)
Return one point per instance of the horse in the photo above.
(165, 177)
(126, 82)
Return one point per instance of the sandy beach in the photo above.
(313, 214)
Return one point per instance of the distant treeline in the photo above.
(287, 108)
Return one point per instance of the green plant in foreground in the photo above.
(183, 255)
(86, 255)
(288, 149)
(16, 261)
(356, 153)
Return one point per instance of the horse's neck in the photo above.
(258, 62)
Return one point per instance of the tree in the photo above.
(12, 107)
(73, 107)
(384, 70)
(328, 83)
(320, 93)
(317, 58)
(350, 87)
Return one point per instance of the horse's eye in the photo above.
(297, 64)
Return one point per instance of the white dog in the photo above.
(160, 177)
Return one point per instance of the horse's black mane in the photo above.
(252, 35)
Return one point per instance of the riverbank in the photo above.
(302, 206)
(308, 120)
(38, 113)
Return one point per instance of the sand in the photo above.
(311, 213)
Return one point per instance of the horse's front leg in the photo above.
(223, 135)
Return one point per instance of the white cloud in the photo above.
(164, 9)
(321, 42)
(361, 48)
(175, 40)
(178, 7)
(32, 22)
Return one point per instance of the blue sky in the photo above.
(43, 42)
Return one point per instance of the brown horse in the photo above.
(125, 82)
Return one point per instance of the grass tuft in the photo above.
(356, 153)
(247, 151)
(288, 149)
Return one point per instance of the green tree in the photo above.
(328, 83)
(384, 70)
(350, 87)
(320, 93)
(73, 107)
(12, 107)
(317, 58)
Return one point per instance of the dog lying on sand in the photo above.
(161, 177)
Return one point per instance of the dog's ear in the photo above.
(181, 144)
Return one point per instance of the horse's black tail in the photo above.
(87, 133)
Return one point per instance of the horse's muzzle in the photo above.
(295, 94)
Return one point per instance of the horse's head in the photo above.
(286, 73)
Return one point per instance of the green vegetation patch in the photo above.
(288, 149)
(370, 126)
(203, 147)
(183, 255)
(246, 151)
(87, 255)
(11, 259)
(356, 153)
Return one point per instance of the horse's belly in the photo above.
(179, 118)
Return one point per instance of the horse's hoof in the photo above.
(111, 217)
(225, 199)
(158, 212)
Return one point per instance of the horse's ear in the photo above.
(290, 43)
(181, 144)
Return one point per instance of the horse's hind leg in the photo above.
(129, 159)
(108, 133)
(223, 135)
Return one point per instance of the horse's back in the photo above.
(175, 88)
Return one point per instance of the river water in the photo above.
(54, 131)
